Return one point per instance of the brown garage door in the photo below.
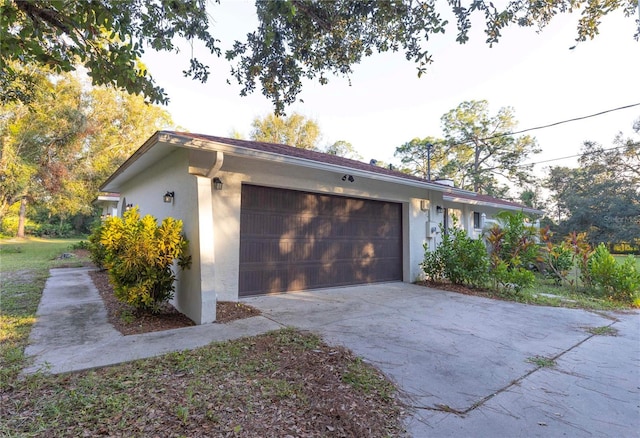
(291, 240)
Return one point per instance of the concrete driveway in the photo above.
(464, 365)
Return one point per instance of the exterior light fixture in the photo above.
(351, 179)
(424, 205)
(128, 207)
(439, 209)
(217, 183)
(168, 197)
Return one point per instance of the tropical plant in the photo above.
(139, 255)
(509, 280)
(512, 251)
(97, 251)
(581, 252)
(556, 258)
(519, 240)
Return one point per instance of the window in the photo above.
(476, 220)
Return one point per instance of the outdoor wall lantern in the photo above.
(424, 205)
(168, 197)
(217, 183)
(439, 209)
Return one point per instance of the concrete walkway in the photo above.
(72, 332)
(462, 363)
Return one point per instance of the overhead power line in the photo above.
(575, 119)
(567, 157)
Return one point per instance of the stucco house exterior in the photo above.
(107, 203)
(267, 218)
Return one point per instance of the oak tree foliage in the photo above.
(107, 37)
(60, 147)
(294, 39)
(602, 195)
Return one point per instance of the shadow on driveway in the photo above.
(464, 363)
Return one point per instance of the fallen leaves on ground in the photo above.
(283, 383)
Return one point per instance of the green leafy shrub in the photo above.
(582, 251)
(510, 281)
(618, 281)
(459, 259)
(602, 268)
(97, 251)
(83, 244)
(60, 230)
(557, 259)
(9, 226)
(139, 255)
(561, 262)
(512, 253)
(432, 265)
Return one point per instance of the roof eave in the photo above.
(494, 205)
(199, 143)
(150, 143)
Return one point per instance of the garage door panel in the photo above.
(294, 240)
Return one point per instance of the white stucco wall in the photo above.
(147, 190)
(108, 209)
(236, 171)
(214, 275)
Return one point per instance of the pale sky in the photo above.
(387, 105)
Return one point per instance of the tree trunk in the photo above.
(22, 217)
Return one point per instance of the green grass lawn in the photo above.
(24, 268)
(566, 295)
(284, 381)
(621, 258)
(33, 253)
(546, 292)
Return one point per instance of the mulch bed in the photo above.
(128, 321)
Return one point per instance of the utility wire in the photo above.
(575, 119)
(563, 158)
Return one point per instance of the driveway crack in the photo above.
(462, 412)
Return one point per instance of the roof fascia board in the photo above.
(151, 141)
(192, 143)
(491, 204)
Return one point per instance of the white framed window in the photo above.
(477, 221)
